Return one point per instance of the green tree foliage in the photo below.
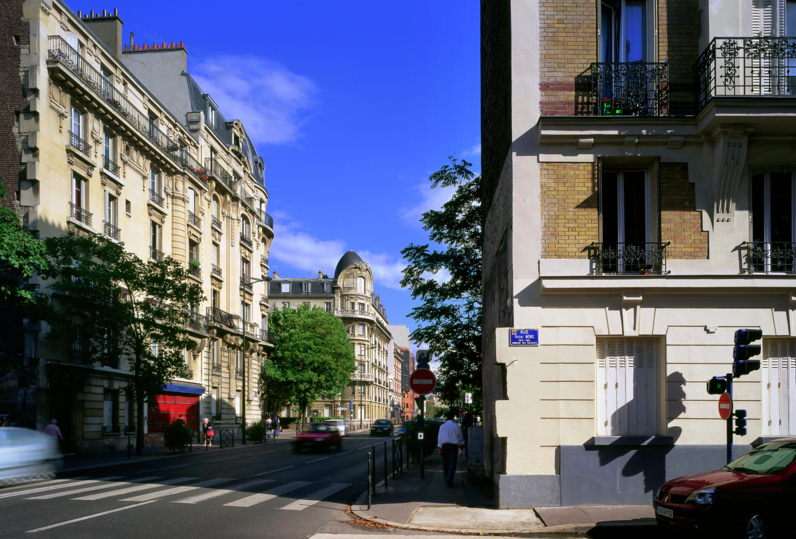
(111, 307)
(22, 255)
(449, 316)
(313, 358)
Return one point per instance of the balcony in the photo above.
(194, 220)
(628, 258)
(246, 241)
(747, 67)
(246, 284)
(216, 271)
(65, 55)
(195, 268)
(264, 261)
(252, 331)
(630, 89)
(361, 377)
(197, 322)
(156, 198)
(110, 165)
(768, 257)
(222, 319)
(216, 222)
(266, 220)
(79, 214)
(156, 255)
(193, 166)
(216, 171)
(350, 313)
(112, 231)
(79, 144)
(267, 336)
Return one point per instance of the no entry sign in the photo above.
(725, 406)
(423, 381)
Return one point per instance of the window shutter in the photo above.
(763, 17)
(779, 379)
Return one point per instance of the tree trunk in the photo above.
(139, 430)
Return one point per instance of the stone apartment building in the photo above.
(350, 295)
(100, 151)
(639, 208)
(402, 344)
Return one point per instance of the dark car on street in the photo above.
(752, 497)
(319, 436)
(381, 426)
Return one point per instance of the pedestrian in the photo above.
(53, 430)
(268, 425)
(467, 422)
(276, 426)
(449, 441)
(208, 431)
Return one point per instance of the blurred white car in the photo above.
(27, 455)
(339, 423)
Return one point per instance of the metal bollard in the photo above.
(370, 480)
(385, 467)
(373, 469)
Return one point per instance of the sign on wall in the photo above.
(524, 337)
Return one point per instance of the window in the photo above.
(79, 190)
(285, 287)
(153, 126)
(192, 201)
(111, 208)
(361, 349)
(110, 409)
(362, 307)
(193, 251)
(328, 306)
(213, 403)
(106, 82)
(285, 304)
(214, 353)
(214, 254)
(215, 299)
(779, 387)
(247, 312)
(154, 347)
(627, 387)
(624, 29)
(360, 285)
(109, 152)
(76, 123)
(352, 329)
(73, 40)
(630, 220)
(154, 235)
(353, 306)
(237, 403)
(238, 360)
(772, 219)
(361, 329)
(245, 270)
(327, 287)
(245, 227)
(211, 117)
(128, 208)
(305, 288)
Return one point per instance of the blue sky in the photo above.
(352, 106)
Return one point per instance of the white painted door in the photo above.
(779, 387)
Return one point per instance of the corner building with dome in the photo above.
(351, 297)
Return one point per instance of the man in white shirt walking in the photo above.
(449, 441)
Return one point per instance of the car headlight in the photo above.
(658, 494)
(705, 496)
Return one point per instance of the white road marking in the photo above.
(254, 499)
(316, 460)
(89, 489)
(312, 499)
(87, 518)
(45, 489)
(273, 471)
(220, 492)
(345, 452)
(364, 447)
(138, 488)
(177, 490)
(161, 469)
(221, 460)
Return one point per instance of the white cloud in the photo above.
(430, 199)
(271, 101)
(301, 250)
(471, 152)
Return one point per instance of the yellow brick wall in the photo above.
(570, 207)
(681, 223)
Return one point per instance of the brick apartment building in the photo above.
(639, 205)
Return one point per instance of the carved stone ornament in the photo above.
(198, 347)
(233, 341)
(156, 214)
(730, 145)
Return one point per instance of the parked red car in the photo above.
(751, 497)
(319, 436)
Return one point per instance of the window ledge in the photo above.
(110, 175)
(631, 441)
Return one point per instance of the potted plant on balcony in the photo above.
(611, 107)
(194, 267)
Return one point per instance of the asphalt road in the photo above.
(255, 491)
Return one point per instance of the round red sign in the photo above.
(725, 406)
(423, 381)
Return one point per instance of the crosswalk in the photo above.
(233, 492)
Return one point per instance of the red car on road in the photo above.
(752, 497)
(319, 436)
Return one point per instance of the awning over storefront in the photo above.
(184, 387)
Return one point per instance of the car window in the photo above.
(768, 459)
(320, 427)
(382, 422)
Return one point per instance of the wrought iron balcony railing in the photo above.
(769, 257)
(354, 313)
(628, 258)
(630, 89)
(193, 166)
(223, 318)
(112, 231)
(197, 322)
(79, 214)
(79, 144)
(216, 222)
(156, 198)
(266, 219)
(361, 377)
(266, 335)
(195, 268)
(263, 260)
(215, 168)
(215, 270)
(155, 254)
(747, 67)
(110, 165)
(194, 220)
(60, 50)
(245, 240)
(252, 330)
(246, 284)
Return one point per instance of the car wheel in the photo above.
(754, 527)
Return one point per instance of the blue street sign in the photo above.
(524, 337)
(351, 405)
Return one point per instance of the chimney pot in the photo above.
(182, 44)
(164, 45)
(91, 13)
(131, 40)
(79, 14)
(115, 12)
(172, 44)
(104, 12)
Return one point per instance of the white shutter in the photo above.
(763, 16)
(779, 379)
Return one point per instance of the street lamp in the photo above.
(246, 280)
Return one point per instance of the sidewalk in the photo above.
(86, 461)
(427, 504)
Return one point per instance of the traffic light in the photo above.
(717, 385)
(744, 350)
(740, 422)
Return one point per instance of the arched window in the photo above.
(360, 285)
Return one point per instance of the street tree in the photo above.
(313, 358)
(446, 278)
(114, 308)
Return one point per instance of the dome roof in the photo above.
(348, 259)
